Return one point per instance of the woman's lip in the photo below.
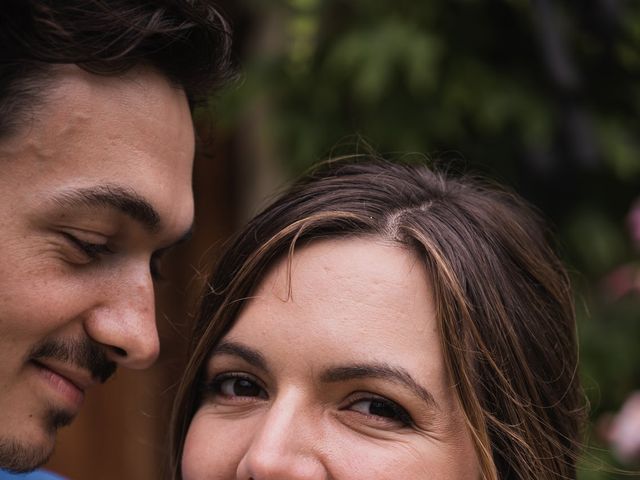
(62, 384)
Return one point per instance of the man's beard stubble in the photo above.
(22, 456)
(17, 457)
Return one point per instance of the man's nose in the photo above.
(285, 447)
(124, 320)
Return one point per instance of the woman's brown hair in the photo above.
(503, 300)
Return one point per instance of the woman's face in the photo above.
(341, 379)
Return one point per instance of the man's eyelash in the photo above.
(96, 250)
(154, 266)
(92, 250)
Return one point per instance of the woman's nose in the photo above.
(124, 321)
(284, 447)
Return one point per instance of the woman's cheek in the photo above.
(212, 449)
(412, 458)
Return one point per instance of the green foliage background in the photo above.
(543, 96)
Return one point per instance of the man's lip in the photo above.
(80, 378)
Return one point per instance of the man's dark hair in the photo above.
(188, 41)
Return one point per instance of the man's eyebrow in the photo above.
(378, 370)
(116, 197)
(249, 355)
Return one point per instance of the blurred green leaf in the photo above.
(623, 150)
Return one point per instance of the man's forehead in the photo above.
(140, 81)
(69, 97)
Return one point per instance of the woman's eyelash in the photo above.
(92, 250)
(383, 408)
(235, 385)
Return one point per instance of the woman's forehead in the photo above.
(350, 296)
(360, 264)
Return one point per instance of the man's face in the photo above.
(93, 189)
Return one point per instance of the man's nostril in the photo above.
(121, 352)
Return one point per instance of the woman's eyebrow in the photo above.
(378, 370)
(249, 355)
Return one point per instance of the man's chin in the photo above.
(20, 457)
(24, 455)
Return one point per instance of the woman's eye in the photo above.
(382, 408)
(234, 386)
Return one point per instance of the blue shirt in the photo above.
(37, 475)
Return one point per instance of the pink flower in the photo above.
(624, 431)
(633, 223)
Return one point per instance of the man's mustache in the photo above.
(80, 353)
